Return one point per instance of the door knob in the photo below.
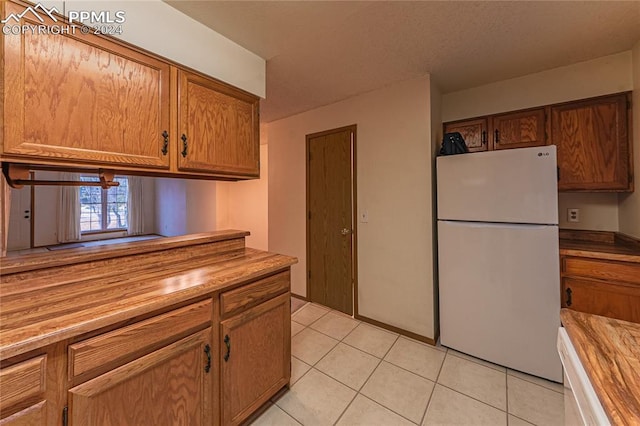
(345, 231)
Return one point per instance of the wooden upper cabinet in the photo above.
(518, 129)
(83, 99)
(218, 128)
(473, 131)
(593, 143)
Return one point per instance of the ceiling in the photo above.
(320, 52)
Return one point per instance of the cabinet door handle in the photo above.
(207, 351)
(184, 145)
(568, 291)
(496, 137)
(165, 142)
(227, 342)
(483, 137)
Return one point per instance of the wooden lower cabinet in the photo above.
(601, 287)
(170, 386)
(22, 392)
(255, 351)
(32, 416)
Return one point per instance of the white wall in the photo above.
(244, 204)
(601, 76)
(630, 203)
(185, 206)
(394, 178)
(161, 29)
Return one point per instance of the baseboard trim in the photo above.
(398, 330)
(300, 297)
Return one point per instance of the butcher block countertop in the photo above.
(599, 245)
(609, 351)
(46, 298)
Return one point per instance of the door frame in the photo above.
(354, 209)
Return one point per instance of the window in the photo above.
(103, 209)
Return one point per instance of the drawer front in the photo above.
(609, 299)
(23, 381)
(604, 270)
(107, 351)
(251, 294)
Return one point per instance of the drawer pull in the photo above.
(207, 351)
(227, 342)
(568, 291)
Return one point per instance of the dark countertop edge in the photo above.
(47, 338)
(599, 245)
(30, 262)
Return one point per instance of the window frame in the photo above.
(104, 202)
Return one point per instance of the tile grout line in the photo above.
(534, 383)
(424, 415)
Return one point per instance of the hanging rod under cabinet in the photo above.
(17, 176)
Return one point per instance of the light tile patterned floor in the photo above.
(346, 372)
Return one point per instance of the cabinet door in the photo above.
(82, 98)
(171, 386)
(22, 392)
(606, 298)
(474, 133)
(593, 144)
(255, 357)
(518, 129)
(32, 416)
(219, 128)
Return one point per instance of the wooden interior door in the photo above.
(330, 219)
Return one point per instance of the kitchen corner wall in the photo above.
(394, 180)
(188, 206)
(629, 214)
(601, 76)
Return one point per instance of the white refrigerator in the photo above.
(498, 259)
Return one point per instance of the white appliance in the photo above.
(581, 404)
(498, 257)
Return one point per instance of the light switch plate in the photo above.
(364, 216)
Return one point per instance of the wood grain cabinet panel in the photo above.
(218, 126)
(251, 294)
(601, 287)
(170, 386)
(83, 99)
(22, 389)
(32, 416)
(610, 299)
(109, 350)
(593, 143)
(519, 129)
(255, 350)
(474, 133)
